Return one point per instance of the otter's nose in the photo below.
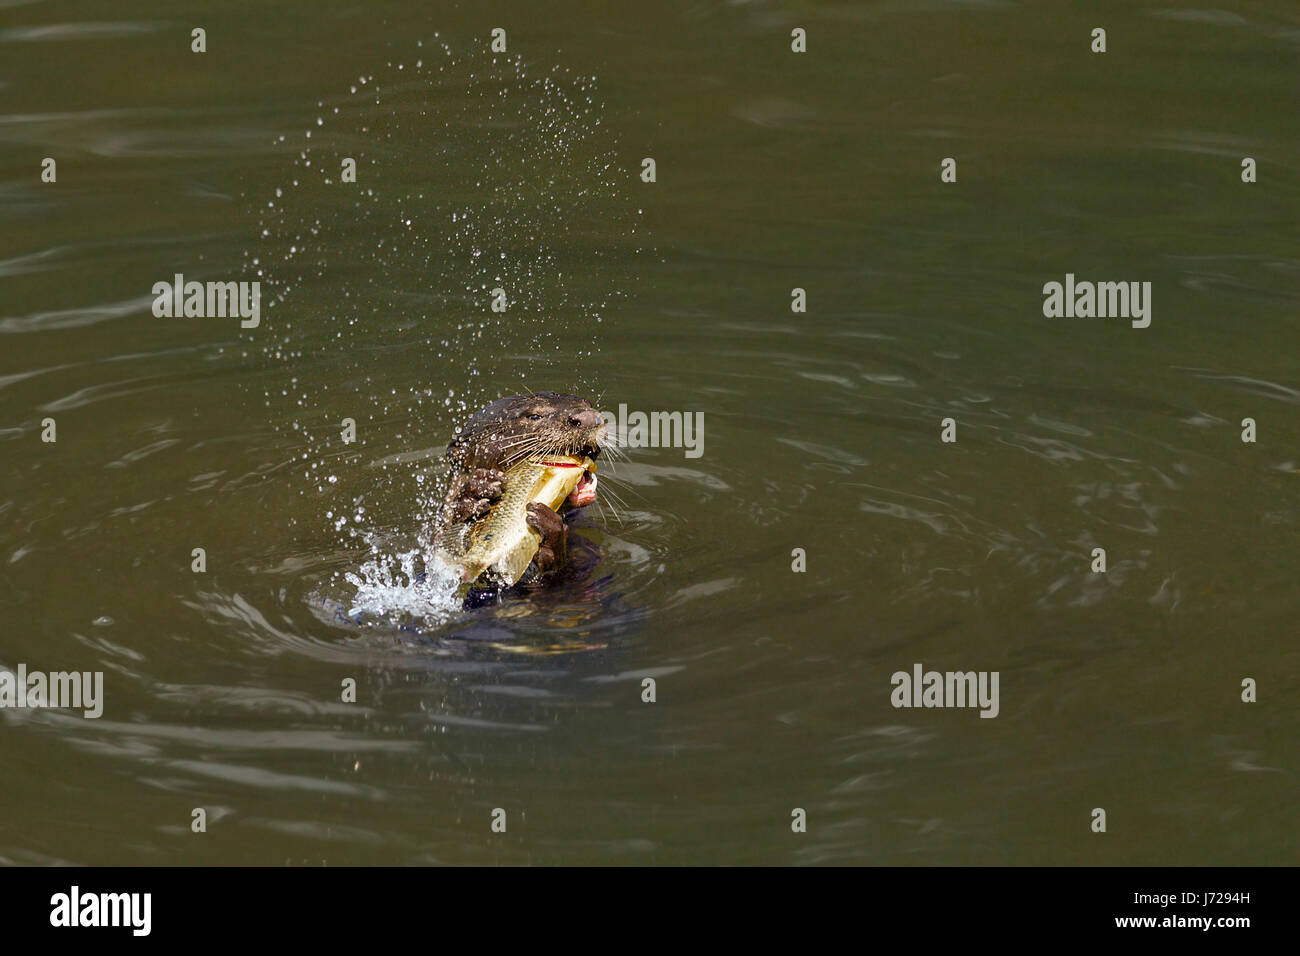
(587, 418)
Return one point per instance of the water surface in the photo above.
(822, 430)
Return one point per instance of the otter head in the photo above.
(526, 426)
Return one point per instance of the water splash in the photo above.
(413, 586)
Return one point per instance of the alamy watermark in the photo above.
(657, 429)
(75, 908)
(1101, 300)
(947, 689)
(209, 300)
(70, 690)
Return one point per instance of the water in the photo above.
(223, 690)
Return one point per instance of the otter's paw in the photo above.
(481, 489)
(551, 527)
(464, 509)
(485, 483)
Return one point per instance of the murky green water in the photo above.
(775, 170)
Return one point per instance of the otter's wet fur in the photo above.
(502, 434)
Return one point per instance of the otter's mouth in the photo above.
(585, 493)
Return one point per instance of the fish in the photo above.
(500, 544)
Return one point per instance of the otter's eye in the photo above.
(533, 416)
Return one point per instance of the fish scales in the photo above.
(500, 544)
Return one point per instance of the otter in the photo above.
(505, 432)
